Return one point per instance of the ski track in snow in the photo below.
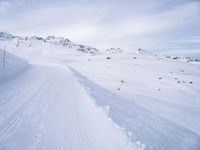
(45, 108)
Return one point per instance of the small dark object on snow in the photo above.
(159, 89)
(178, 81)
(88, 59)
(134, 57)
(108, 58)
(122, 81)
(160, 78)
(118, 89)
(191, 82)
(175, 78)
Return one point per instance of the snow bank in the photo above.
(13, 65)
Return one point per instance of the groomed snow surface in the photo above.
(44, 107)
(123, 100)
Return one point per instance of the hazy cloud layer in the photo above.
(150, 24)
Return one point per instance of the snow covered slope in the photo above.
(12, 65)
(156, 100)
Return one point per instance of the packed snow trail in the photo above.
(45, 108)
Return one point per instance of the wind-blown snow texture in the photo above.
(75, 99)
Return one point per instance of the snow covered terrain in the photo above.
(76, 97)
(157, 99)
(11, 66)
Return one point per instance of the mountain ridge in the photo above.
(28, 41)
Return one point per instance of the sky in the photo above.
(155, 25)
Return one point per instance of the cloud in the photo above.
(4, 6)
(72, 20)
(129, 24)
(155, 30)
(152, 24)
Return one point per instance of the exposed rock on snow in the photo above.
(114, 50)
(186, 59)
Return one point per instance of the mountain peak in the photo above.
(6, 36)
(58, 40)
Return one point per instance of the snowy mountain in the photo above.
(34, 44)
(6, 36)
